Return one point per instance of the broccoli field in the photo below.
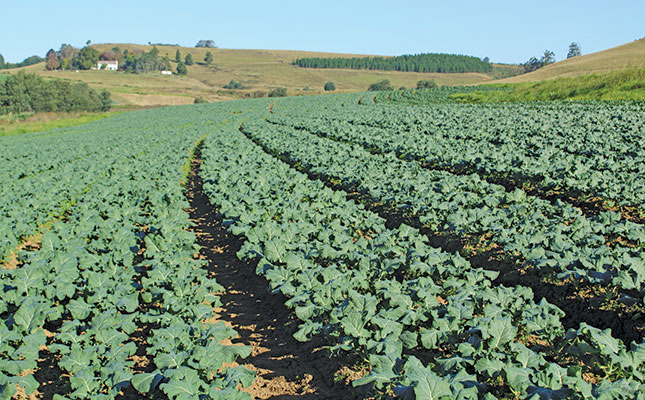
(439, 250)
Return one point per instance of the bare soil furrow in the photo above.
(581, 301)
(286, 368)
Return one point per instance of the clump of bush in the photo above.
(380, 85)
(258, 93)
(278, 92)
(181, 69)
(426, 84)
(23, 92)
(233, 84)
(200, 100)
(330, 86)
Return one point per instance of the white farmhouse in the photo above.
(166, 72)
(108, 65)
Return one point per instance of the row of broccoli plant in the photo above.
(121, 259)
(551, 236)
(431, 324)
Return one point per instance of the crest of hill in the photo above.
(627, 56)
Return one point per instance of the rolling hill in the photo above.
(262, 70)
(627, 56)
(258, 70)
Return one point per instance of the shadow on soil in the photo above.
(580, 301)
(286, 368)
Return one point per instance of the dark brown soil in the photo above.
(581, 302)
(286, 368)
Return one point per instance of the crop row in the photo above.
(586, 150)
(555, 237)
(425, 96)
(113, 296)
(431, 324)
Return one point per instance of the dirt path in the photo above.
(286, 368)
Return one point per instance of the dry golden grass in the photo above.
(147, 100)
(262, 70)
(627, 56)
(258, 70)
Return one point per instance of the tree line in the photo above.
(23, 92)
(24, 63)
(429, 62)
(133, 61)
(548, 57)
(69, 57)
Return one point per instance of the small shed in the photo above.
(110, 65)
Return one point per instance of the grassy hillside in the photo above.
(258, 70)
(30, 122)
(628, 84)
(627, 56)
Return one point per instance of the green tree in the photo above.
(31, 93)
(278, 92)
(206, 43)
(178, 56)
(417, 63)
(209, 58)
(51, 60)
(330, 86)
(106, 101)
(380, 85)
(189, 59)
(548, 58)
(574, 50)
(533, 63)
(426, 84)
(67, 51)
(87, 58)
(233, 84)
(1, 62)
(181, 69)
(165, 63)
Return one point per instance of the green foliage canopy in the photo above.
(430, 62)
(87, 58)
(206, 43)
(24, 63)
(181, 69)
(426, 84)
(278, 92)
(22, 92)
(380, 85)
(146, 62)
(209, 58)
(574, 50)
(233, 84)
(330, 86)
(534, 64)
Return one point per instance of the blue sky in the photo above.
(504, 31)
